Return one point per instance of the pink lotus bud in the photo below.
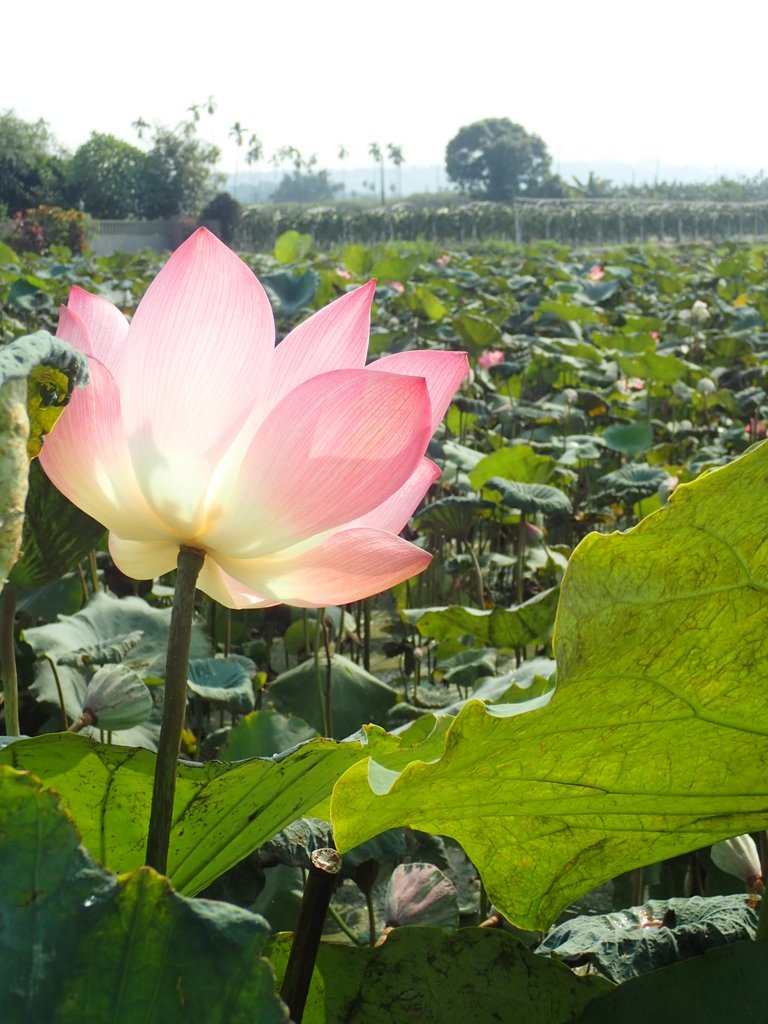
(490, 357)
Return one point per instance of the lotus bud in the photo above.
(421, 894)
(700, 311)
(706, 386)
(116, 698)
(666, 487)
(571, 395)
(739, 857)
(681, 390)
(490, 357)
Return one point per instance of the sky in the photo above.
(662, 84)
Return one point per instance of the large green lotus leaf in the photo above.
(629, 438)
(569, 312)
(291, 246)
(726, 984)
(394, 267)
(290, 292)
(621, 945)
(104, 620)
(529, 498)
(632, 482)
(500, 627)
(355, 695)
(80, 946)
(424, 975)
(224, 682)
(515, 462)
(264, 733)
(222, 812)
(475, 330)
(652, 366)
(455, 516)
(656, 739)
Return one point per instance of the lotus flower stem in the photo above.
(761, 935)
(83, 721)
(328, 719)
(520, 563)
(8, 660)
(367, 634)
(325, 865)
(59, 691)
(94, 571)
(190, 562)
(478, 573)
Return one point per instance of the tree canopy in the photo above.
(31, 168)
(500, 160)
(309, 187)
(179, 174)
(106, 178)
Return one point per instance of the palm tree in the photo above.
(237, 132)
(140, 126)
(376, 152)
(395, 154)
(343, 154)
(255, 150)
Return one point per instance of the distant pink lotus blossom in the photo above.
(756, 428)
(343, 272)
(397, 286)
(656, 336)
(294, 468)
(490, 357)
(627, 384)
(596, 273)
(443, 260)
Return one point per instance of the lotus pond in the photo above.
(560, 721)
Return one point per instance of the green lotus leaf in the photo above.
(629, 438)
(81, 946)
(529, 497)
(499, 627)
(422, 974)
(656, 739)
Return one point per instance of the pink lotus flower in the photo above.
(596, 273)
(294, 468)
(490, 357)
(627, 384)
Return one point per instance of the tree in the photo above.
(255, 150)
(105, 177)
(31, 166)
(237, 132)
(140, 126)
(594, 187)
(395, 154)
(222, 215)
(499, 159)
(178, 175)
(377, 153)
(308, 187)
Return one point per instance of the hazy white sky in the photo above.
(680, 82)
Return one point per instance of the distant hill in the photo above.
(358, 182)
(363, 182)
